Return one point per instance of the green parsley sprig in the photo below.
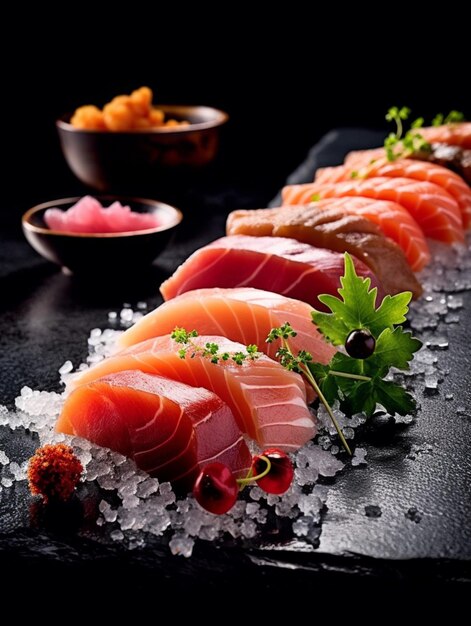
(395, 347)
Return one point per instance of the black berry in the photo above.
(360, 344)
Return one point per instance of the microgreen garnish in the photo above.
(400, 144)
(394, 347)
(453, 117)
(210, 350)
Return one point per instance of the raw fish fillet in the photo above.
(170, 429)
(434, 209)
(335, 230)
(454, 158)
(436, 212)
(361, 158)
(458, 134)
(277, 264)
(243, 314)
(406, 168)
(268, 401)
(392, 218)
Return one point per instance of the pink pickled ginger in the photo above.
(89, 216)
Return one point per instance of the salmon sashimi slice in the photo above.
(393, 219)
(170, 429)
(281, 265)
(333, 229)
(454, 158)
(406, 168)
(362, 158)
(455, 134)
(267, 401)
(242, 314)
(434, 209)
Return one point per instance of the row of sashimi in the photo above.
(172, 414)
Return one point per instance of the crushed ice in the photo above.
(134, 505)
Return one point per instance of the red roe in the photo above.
(53, 472)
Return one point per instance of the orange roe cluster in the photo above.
(123, 113)
(53, 472)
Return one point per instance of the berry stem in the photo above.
(250, 479)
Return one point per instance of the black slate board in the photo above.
(45, 319)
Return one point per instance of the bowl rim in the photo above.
(221, 117)
(27, 225)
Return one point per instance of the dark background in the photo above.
(285, 79)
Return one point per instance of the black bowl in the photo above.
(110, 161)
(101, 253)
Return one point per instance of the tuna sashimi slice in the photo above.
(434, 209)
(242, 314)
(277, 264)
(170, 429)
(393, 219)
(406, 168)
(268, 401)
(332, 229)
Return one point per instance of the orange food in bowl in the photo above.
(123, 113)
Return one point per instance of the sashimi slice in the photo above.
(268, 401)
(170, 429)
(362, 158)
(393, 219)
(435, 210)
(332, 229)
(281, 265)
(454, 158)
(243, 314)
(455, 134)
(406, 168)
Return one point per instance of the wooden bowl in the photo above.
(109, 161)
(101, 253)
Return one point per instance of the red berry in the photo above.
(281, 471)
(216, 488)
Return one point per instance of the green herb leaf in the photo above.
(394, 347)
(454, 117)
(354, 310)
(394, 398)
(357, 308)
(418, 123)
